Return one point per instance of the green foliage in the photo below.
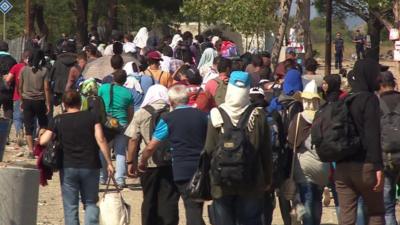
(318, 25)
(248, 17)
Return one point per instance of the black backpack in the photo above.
(390, 128)
(334, 133)
(233, 163)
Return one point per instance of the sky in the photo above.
(351, 22)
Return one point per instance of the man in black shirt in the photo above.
(359, 41)
(339, 49)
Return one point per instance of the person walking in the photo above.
(310, 174)
(185, 128)
(154, 70)
(361, 174)
(81, 136)
(389, 103)
(239, 202)
(160, 194)
(118, 101)
(75, 73)
(34, 88)
(339, 49)
(13, 78)
(359, 41)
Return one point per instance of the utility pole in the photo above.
(328, 38)
(28, 30)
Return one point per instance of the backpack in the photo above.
(229, 49)
(221, 92)
(334, 133)
(95, 105)
(390, 128)
(232, 164)
(275, 125)
(163, 152)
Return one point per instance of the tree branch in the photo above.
(388, 25)
(351, 8)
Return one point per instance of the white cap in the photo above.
(257, 91)
(310, 91)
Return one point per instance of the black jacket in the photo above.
(59, 72)
(366, 112)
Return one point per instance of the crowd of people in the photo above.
(185, 98)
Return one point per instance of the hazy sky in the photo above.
(351, 21)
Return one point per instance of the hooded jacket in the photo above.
(6, 63)
(59, 72)
(366, 112)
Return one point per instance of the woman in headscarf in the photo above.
(240, 204)
(310, 174)
(331, 88)
(141, 38)
(158, 189)
(175, 40)
(206, 61)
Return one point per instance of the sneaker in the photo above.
(121, 186)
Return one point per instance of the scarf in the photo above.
(155, 93)
(236, 102)
(141, 38)
(175, 40)
(207, 59)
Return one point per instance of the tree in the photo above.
(81, 11)
(378, 14)
(284, 13)
(303, 18)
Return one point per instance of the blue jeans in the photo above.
(83, 182)
(311, 197)
(120, 145)
(17, 117)
(389, 197)
(233, 210)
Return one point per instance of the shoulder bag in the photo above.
(288, 188)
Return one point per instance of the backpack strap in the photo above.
(111, 96)
(159, 79)
(245, 117)
(227, 123)
(155, 116)
(384, 106)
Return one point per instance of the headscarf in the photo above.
(237, 98)
(155, 93)
(333, 92)
(141, 38)
(89, 87)
(214, 40)
(364, 77)
(207, 58)
(293, 82)
(175, 40)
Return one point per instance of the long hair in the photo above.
(36, 60)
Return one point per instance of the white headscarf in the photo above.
(141, 38)
(237, 100)
(207, 58)
(175, 41)
(155, 93)
(214, 40)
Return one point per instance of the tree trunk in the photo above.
(29, 28)
(112, 23)
(328, 38)
(41, 23)
(82, 21)
(96, 14)
(306, 5)
(374, 30)
(280, 35)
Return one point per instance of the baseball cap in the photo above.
(257, 91)
(154, 55)
(240, 79)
